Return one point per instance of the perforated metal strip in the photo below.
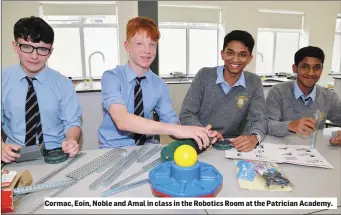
(144, 169)
(140, 150)
(93, 166)
(314, 135)
(149, 154)
(124, 188)
(53, 173)
(119, 161)
(41, 187)
(125, 165)
(60, 190)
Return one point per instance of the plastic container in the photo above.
(199, 180)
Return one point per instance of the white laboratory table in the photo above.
(337, 211)
(308, 181)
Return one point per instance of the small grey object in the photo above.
(334, 134)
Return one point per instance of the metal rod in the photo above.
(124, 188)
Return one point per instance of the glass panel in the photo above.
(265, 46)
(286, 47)
(336, 55)
(102, 40)
(66, 55)
(62, 19)
(338, 25)
(108, 19)
(172, 51)
(98, 19)
(202, 54)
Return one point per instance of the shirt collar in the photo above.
(220, 78)
(40, 76)
(298, 92)
(131, 75)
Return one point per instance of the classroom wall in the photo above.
(11, 12)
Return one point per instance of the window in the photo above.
(83, 38)
(202, 53)
(172, 51)
(277, 48)
(187, 47)
(336, 60)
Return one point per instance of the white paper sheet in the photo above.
(282, 153)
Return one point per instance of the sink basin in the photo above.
(88, 86)
(178, 81)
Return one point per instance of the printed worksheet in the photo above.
(302, 155)
(263, 152)
(282, 153)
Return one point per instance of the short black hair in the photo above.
(240, 36)
(309, 51)
(33, 29)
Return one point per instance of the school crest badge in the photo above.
(241, 101)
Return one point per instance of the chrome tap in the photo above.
(96, 52)
(260, 55)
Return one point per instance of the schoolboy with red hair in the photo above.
(131, 92)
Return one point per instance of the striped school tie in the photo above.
(140, 139)
(32, 116)
(306, 101)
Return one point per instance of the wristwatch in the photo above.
(259, 138)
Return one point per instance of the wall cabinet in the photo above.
(92, 116)
(177, 93)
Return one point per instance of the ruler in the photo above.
(124, 188)
(41, 187)
(53, 173)
(149, 154)
(144, 169)
(93, 165)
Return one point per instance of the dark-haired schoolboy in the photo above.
(39, 105)
(227, 96)
(290, 106)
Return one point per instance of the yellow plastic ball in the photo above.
(185, 156)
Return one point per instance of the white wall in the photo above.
(11, 12)
(125, 11)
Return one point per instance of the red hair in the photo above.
(141, 25)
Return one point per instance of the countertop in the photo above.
(96, 86)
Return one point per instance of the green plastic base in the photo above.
(223, 145)
(167, 152)
(55, 156)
